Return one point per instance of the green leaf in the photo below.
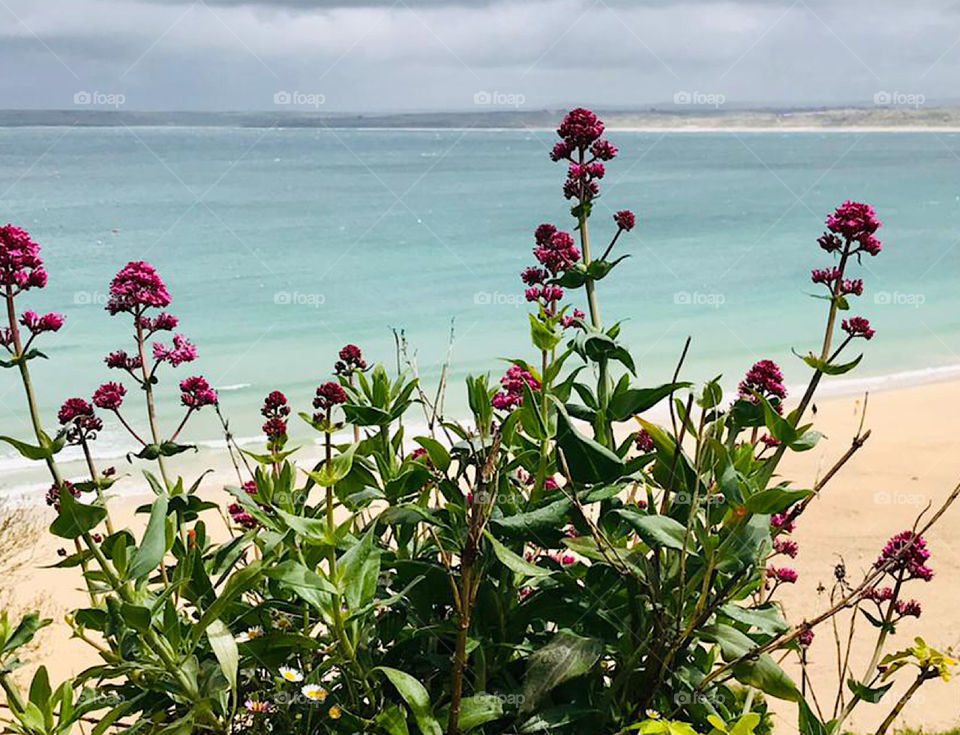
(766, 618)
(238, 583)
(809, 723)
(224, 647)
(655, 531)
(24, 632)
(775, 500)
(479, 710)
(830, 369)
(866, 693)
(358, 569)
(314, 529)
(630, 402)
(393, 720)
(310, 586)
(515, 562)
(137, 617)
(545, 337)
(589, 462)
(29, 451)
(154, 544)
(761, 672)
(416, 697)
(330, 473)
(75, 519)
(544, 520)
(438, 454)
(565, 657)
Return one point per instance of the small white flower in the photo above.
(249, 634)
(291, 675)
(314, 693)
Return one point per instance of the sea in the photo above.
(279, 246)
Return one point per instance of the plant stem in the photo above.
(901, 703)
(147, 383)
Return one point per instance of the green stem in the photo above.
(147, 383)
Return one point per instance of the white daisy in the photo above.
(291, 675)
(314, 692)
(249, 634)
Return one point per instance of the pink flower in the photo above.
(580, 128)
(351, 360)
(241, 517)
(574, 320)
(855, 221)
(53, 494)
(625, 219)
(183, 350)
(766, 379)
(512, 394)
(250, 487)
(911, 563)
(644, 441)
(121, 361)
(37, 324)
(109, 396)
(135, 288)
(831, 243)
(787, 547)
(328, 395)
(556, 253)
(603, 150)
(805, 638)
(195, 393)
(908, 608)
(783, 574)
(163, 322)
(80, 423)
(533, 276)
(20, 265)
(275, 429)
(857, 326)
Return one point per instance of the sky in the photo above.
(430, 55)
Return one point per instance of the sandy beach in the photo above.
(907, 464)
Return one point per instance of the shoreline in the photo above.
(31, 493)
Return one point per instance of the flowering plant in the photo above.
(557, 561)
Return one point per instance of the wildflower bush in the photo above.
(557, 562)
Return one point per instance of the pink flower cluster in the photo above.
(857, 326)
(195, 393)
(109, 396)
(79, 421)
(20, 265)
(162, 322)
(857, 223)
(182, 351)
(903, 608)
(782, 575)
(512, 383)
(328, 395)
(275, 410)
(135, 288)
(833, 280)
(625, 219)
(766, 379)
(53, 494)
(644, 441)
(554, 250)
(907, 554)
(120, 360)
(787, 547)
(37, 324)
(581, 145)
(351, 361)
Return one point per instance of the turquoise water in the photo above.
(281, 245)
